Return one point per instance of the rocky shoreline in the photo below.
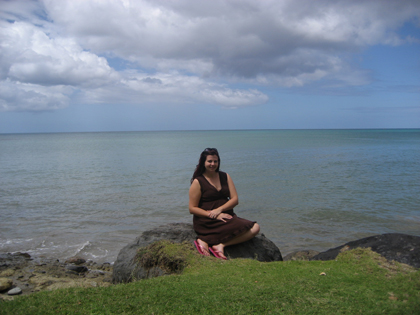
(21, 274)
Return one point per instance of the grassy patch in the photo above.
(168, 256)
(357, 282)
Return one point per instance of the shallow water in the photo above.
(92, 193)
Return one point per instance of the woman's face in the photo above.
(212, 163)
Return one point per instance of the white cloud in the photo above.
(56, 50)
(135, 87)
(238, 38)
(16, 96)
(29, 55)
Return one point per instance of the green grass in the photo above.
(357, 282)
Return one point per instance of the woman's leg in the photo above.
(251, 233)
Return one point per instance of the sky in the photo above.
(133, 65)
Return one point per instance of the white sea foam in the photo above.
(81, 247)
(15, 241)
(92, 252)
(16, 245)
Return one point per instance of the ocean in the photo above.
(90, 194)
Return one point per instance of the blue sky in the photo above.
(120, 65)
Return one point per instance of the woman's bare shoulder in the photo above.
(195, 183)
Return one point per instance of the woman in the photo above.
(212, 199)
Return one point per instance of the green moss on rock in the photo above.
(170, 257)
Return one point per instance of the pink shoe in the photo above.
(217, 254)
(203, 251)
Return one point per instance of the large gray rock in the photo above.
(393, 246)
(126, 268)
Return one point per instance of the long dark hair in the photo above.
(200, 169)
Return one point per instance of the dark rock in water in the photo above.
(78, 269)
(15, 259)
(393, 246)
(259, 248)
(75, 260)
(24, 255)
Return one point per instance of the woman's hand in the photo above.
(214, 213)
(223, 217)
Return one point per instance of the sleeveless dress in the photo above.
(213, 231)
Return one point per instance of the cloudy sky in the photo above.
(123, 65)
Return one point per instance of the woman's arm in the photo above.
(195, 195)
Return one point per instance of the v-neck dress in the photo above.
(214, 231)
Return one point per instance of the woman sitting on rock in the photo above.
(212, 199)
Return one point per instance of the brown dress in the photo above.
(214, 231)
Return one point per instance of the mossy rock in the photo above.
(162, 257)
(127, 267)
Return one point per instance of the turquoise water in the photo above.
(92, 193)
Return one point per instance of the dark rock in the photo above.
(393, 246)
(15, 260)
(25, 255)
(75, 260)
(95, 273)
(125, 263)
(71, 272)
(78, 269)
(301, 255)
(259, 248)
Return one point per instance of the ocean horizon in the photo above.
(207, 130)
(91, 193)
